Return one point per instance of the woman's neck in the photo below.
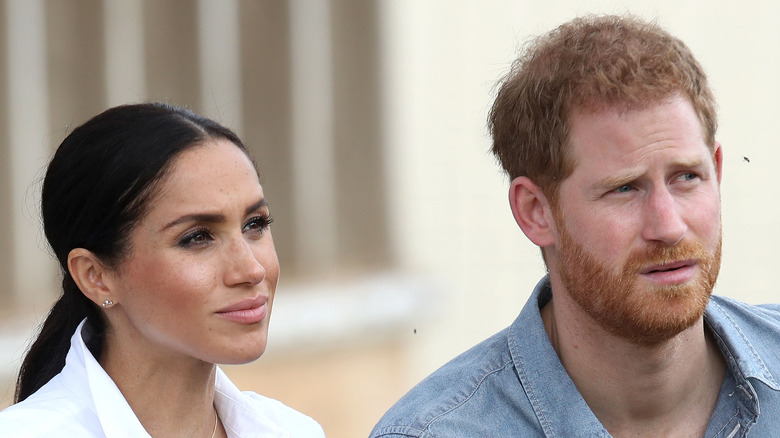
(171, 395)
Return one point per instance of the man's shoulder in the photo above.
(750, 333)
(762, 317)
(455, 400)
(749, 337)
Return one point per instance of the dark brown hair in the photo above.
(97, 187)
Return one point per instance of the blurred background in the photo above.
(367, 120)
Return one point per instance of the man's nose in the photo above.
(663, 221)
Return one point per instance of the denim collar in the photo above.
(560, 408)
(744, 357)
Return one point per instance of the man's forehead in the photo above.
(620, 134)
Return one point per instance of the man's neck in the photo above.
(664, 390)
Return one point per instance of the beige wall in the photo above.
(374, 151)
(442, 63)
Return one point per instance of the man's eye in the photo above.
(624, 188)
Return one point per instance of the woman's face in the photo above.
(202, 270)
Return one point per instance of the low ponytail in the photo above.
(97, 187)
(46, 356)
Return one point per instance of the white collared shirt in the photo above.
(83, 401)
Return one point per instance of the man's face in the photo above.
(638, 221)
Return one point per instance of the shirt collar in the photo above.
(238, 415)
(116, 417)
(558, 405)
(744, 358)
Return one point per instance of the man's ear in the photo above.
(532, 211)
(718, 155)
(90, 276)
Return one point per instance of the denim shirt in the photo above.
(514, 385)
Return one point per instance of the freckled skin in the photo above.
(645, 191)
(177, 278)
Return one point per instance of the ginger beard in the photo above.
(621, 304)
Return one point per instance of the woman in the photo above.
(161, 228)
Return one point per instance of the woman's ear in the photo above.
(90, 275)
(532, 211)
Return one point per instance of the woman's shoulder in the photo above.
(278, 411)
(296, 423)
(252, 411)
(51, 411)
(248, 411)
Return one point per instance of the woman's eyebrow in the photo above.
(257, 206)
(211, 217)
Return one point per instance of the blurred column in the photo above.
(31, 271)
(360, 176)
(171, 48)
(6, 245)
(75, 65)
(312, 135)
(124, 51)
(220, 63)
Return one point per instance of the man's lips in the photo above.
(670, 274)
(667, 267)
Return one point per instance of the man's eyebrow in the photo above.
(632, 174)
(212, 218)
(689, 163)
(618, 180)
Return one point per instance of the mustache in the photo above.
(659, 254)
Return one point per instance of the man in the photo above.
(606, 126)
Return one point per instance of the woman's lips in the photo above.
(248, 311)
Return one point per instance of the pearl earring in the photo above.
(107, 303)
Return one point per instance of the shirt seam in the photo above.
(537, 406)
(767, 376)
(425, 429)
(725, 425)
(525, 381)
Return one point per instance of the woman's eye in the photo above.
(625, 188)
(195, 239)
(258, 224)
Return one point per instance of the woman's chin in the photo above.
(245, 355)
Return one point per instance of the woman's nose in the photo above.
(243, 265)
